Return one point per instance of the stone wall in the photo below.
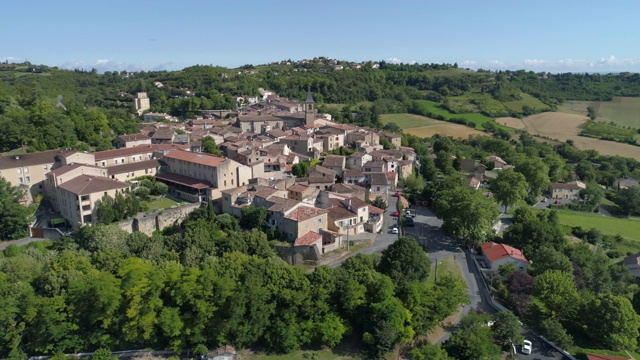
(174, 216)
(301, 255)
(149, 223)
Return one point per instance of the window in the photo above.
(225, 183)
(20, 180)
(116, 161)
(19, 171)
(320, 221)
(28, 179)
(306, 226)
(45, 167)
(104, 163)
(378, 188)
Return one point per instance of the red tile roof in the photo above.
(298, 188)
(308, 239)
(140, 149)
(86, 184)
(184, 180)
(339, 213)
(134, 137)
(375, 210)
(302, 213)
(495, 251)
(196, 158)
(605, 357)
(65, 169)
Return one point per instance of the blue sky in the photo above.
(541, 35)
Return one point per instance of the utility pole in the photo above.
(436, 280)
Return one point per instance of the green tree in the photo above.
(300, 169)
(557, 291)
(506, 328)
(106, 213)
(628, 200)
(466, 213)
(405, 261)
(472, 340)
(253, 217)
(209, 146)
(553, 330)
(509, 187)
(102, 354)
(591, 112)
(15, 219)
(536, 172)
(612, 321)
(592, 195)
(547, 258)
(428, 352)
(159, 188)
(414, 184)
(379, 202)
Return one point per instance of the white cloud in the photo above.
(11, 59)
(604, 64)
(103, 65)
(393, 60)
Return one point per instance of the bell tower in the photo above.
(309, 111)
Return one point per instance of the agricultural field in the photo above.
(477, 102)
(624, 111)
(563, 126)
(433, 109)
(511, 122)
(527, 100)
(423, 126)
(609, 131)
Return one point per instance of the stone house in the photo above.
(570, 190)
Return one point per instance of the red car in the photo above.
(558, 202)
(397, 194)
(396, 214)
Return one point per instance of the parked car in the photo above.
(394, 230)
(397, 194)
(396, 214)
(558, 202)
(409, 222)
(409, 213)
(527, 347)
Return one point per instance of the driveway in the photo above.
(428, 232)
(382, 240)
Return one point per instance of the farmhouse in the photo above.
(570, 190)
(496, 255)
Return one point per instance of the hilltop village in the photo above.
(262, 144)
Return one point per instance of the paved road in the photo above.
(382, 240)
(427, 231)
(21, 242)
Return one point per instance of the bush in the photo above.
(143, 192)
(613, 254)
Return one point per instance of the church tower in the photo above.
(309, 111)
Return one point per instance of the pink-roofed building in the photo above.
(496, 255)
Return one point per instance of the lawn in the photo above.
(448, 265)
(297, 355)
(627, 228)
(162, 203)
(478, 102)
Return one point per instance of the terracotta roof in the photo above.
(339, 213)
(391, 175)
(352, 172)
(65, 169)
(375, 210)
(164, 132)
(196, 158)
(567, 186)
(184, 180)
(495, 251)
(36, 158)
(322, 170)
(140, 149)
(298, 188)
(341, 188)
(86, 184)
(282, 204)
(378, 179)
(308, 239)
(334, 160)
(133, 137)
(138, 165)
(302, 213)
(357, 202)
(605, 357)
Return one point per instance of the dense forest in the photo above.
(94, 108)
(210, 283)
